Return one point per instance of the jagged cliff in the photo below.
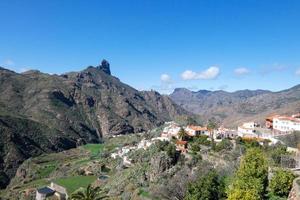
(44, 113)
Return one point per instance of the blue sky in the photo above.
(159, 45)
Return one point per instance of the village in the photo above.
(274, 126)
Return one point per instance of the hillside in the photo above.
(232, 108)
(48, 113)
(155, 173)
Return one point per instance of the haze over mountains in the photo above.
(48, 113)
(233, 108)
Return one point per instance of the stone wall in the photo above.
(295, 191)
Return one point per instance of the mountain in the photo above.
(48, 113)
(233, 108)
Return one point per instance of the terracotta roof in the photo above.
(181, 142)
(197, 128)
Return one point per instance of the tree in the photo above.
(182, 134)
(207, 187)
(211, 126)
(91, 193)
(251, 178)
(281, 183)
(195, 147)
(242, 194)
(171, 151)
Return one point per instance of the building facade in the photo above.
(248, 129)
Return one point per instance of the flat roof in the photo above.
(46, 190)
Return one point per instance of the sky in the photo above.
(160, 45)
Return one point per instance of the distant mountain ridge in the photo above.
(233, 108)
(48, 113)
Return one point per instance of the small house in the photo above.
(44, 192)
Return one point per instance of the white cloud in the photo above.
(210, 73)
(189, 75)
(297, 72)
(166, 78)
(241, 71)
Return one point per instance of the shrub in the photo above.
(281, 183)
(207, 187)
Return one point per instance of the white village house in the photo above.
(286, 124)
(248, 129)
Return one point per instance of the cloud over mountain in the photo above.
(210, 73)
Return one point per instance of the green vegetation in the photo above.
(90, 193)
(45, 171)
(281, 183)
(94, 149)
(207, 187)
(182, 135)
(277, 152)
(225, 144)
(75, 182)
(200, 140)
(251, 179)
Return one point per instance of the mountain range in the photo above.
(233, 108)
(42, 113)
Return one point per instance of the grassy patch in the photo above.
(75, 182)
(95, 149)
(144, 193)
(46, 170)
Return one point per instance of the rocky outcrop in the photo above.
(295, 191)
(105, 67)
(48, 113)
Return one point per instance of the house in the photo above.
(286, 124)
(43, 193)
(281, 124)
(269, 121)
(248, 130)
(222, 133)
(196, 130)
(54, 190)
(171, 130)
(181, 145)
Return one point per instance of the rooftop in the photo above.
(46, 190)
(181, 142)
(197, 128)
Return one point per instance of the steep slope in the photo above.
(232, 108)
(43, 113)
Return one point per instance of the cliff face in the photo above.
(43, 113)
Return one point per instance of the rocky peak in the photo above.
(105, 67)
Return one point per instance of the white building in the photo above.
(286, 124)
(196, 130)
(171, 130)
(248, 129)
